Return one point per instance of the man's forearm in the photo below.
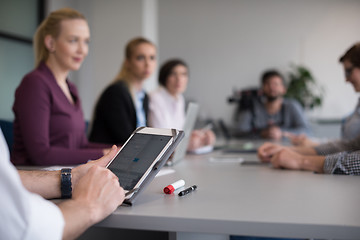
(305, 150)
(313, 163)
(77, 215)
(47, 183)
(44, 183)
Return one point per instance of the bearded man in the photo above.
(270, 115)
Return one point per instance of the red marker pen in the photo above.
(172, 187)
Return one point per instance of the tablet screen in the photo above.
(136, 156)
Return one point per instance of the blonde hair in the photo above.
(124, 74)
(51, 26)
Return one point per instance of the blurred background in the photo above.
(227, 44)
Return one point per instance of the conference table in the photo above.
(244, 199)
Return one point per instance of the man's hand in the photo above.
(209, 137)
(300, 140)
(289, 159)
(275, 133)
(272, 132)
(196, 140)
(267, 150)
(201, 138)
(96, 194)
(100, 191)
(81, 170)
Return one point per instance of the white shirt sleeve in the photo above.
(24, 215)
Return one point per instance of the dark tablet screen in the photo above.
(136, 157)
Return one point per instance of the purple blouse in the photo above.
(48, 129)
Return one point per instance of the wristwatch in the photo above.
(66, 189)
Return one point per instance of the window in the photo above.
(18, 22)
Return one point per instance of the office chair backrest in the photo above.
(8, 131)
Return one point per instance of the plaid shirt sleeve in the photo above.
(343, 163)
(338, 146)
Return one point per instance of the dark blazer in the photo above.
(115, 115)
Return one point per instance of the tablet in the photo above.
(142, 156)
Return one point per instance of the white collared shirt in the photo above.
(24, 215)
(165, 110)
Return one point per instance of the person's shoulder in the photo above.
(37, 73)
(115, 88)
(35, 79)
(292, 103)
(157, 94)
(116, 91)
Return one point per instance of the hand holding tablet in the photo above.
(142, 156)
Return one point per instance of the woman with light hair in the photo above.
(123, 106)
(49, 127)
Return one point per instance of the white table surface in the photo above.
(255, 200)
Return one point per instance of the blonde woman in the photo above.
(123, 106)
(49, 127)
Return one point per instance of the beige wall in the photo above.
(112, 24)
(229, 43)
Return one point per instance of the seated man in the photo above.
(350, 127)
(337, 157)
(96, 193)
(272, 116)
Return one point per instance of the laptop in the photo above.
(232, 145)
(190, 119)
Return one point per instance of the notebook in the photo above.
(190, 119)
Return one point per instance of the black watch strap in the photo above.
(66, 189)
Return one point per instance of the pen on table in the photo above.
(172, 187)
(188, 190)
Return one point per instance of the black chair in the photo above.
(8, 131)
(245, 97)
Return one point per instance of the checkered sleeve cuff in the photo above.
(330, 162)
(343, 163)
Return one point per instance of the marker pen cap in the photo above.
(172, 187)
